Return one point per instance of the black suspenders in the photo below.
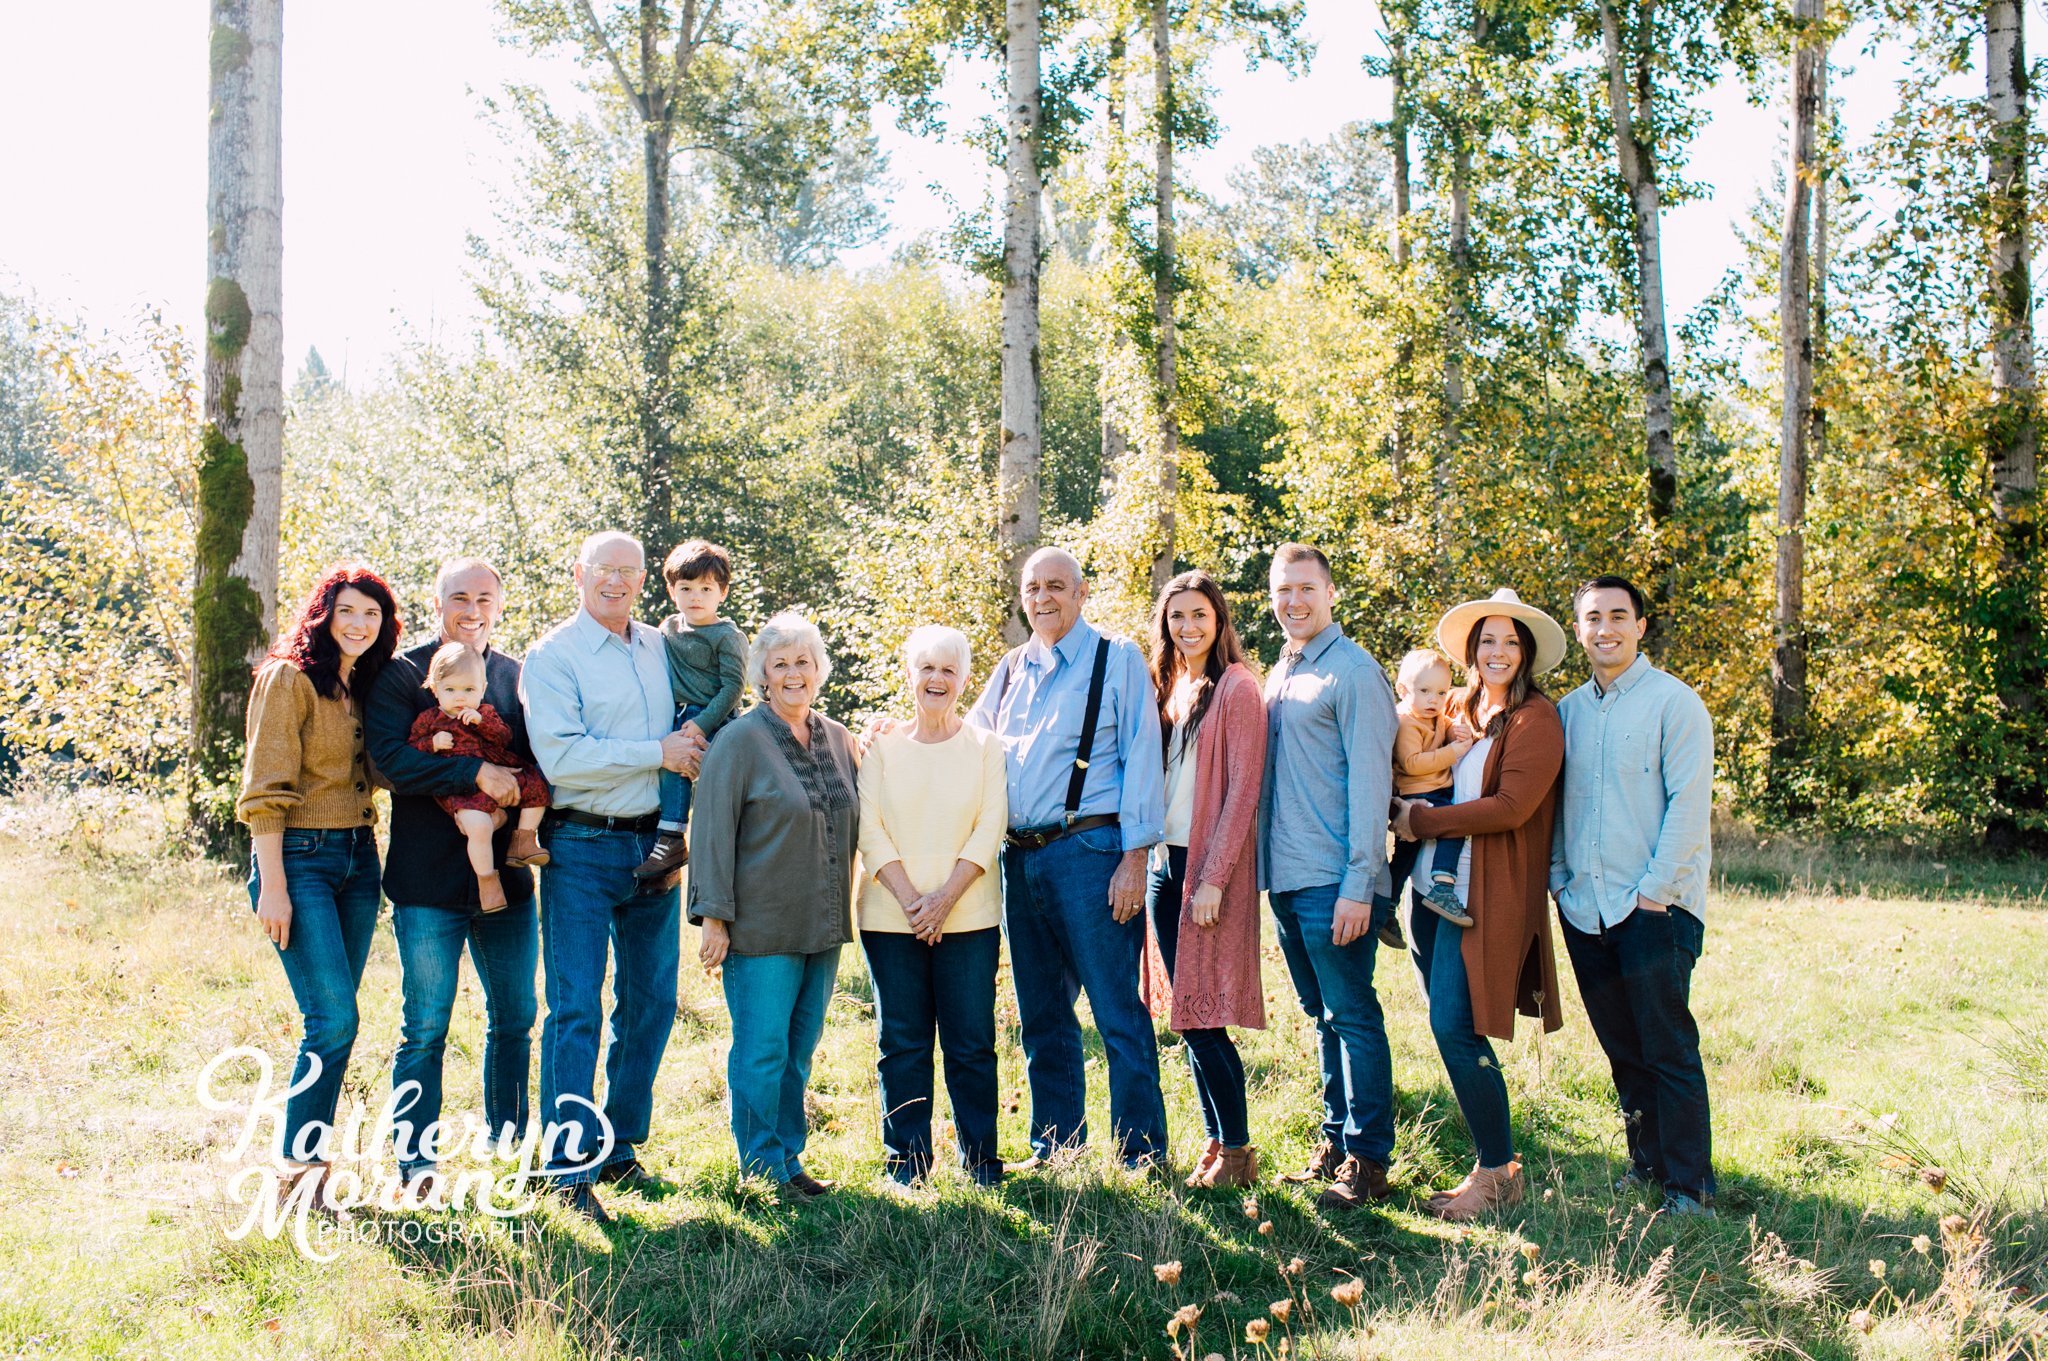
(1090, 714)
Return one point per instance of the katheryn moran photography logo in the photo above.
(267, 1194)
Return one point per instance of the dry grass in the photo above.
(1874, 1062)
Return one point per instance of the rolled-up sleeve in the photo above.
(1141, 805)
(877, 848)
(1676, 874)
(563, 747)
(1366, 718)
(715, 828)
(272, 773)
(985, 843)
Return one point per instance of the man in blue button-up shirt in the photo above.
(1074, 879)
(598, 713)
(1629, 871)
(1323, 863)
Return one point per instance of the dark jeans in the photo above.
(1063, 942)
(331, 875)
(505, 947)
(1212, 1058)
(1468, 1055)
(592, 906)
(1636, 981)
(1443, 861)
(675, 789)
(948, 989)
(1336, 988)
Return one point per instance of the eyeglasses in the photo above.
(626, 573)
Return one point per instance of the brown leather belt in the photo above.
(1038, 838)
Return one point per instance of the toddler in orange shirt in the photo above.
(1427, 748)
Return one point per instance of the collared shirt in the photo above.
(1638, 798)
(1037, 709)
(596, 711)
(1330, 726)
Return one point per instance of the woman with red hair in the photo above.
(313, 876)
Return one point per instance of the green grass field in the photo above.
(1877, 1044)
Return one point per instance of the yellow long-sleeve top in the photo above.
(1423, 756)
(305, 766)
(932, 805)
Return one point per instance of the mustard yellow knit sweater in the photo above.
(305, 766)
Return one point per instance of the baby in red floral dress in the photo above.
(465, 726)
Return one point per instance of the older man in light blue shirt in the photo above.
(598, 714)
(1074, 867)
(1629, 872)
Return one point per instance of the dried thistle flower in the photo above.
(1250, 1206)
(1532, 1251)
(1349, 1293)
(1877, 1267)
(1266, 1227)
(1861, 1321)
(1295, 1266)
(1922, 1244)
(1166, 1273)
(1280, 1309)
(1256, 1330)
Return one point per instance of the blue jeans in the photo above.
(1212, 1058)
(778, 1005)
(505, 947)
(590, 906)
(1442, 861)
(1063, 942)
(1336, 989)
(332, 877)
(675, 789)
(948, 989)
(1468, 1055)
(1636, 981)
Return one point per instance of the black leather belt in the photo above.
(646, 822)
(1037, 838)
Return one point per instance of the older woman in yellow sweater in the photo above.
(933, 806)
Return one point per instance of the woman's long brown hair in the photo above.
(1167, 661)
(1519, 688)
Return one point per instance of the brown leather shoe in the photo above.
(809, 1187)
(490, 893)
(1491, 1188)
(1237, 1167)
(526, 849)
(1358, 1181)
(1322, 1166)
(1209, 1152)
(671, 852)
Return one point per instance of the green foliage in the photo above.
(227, 322)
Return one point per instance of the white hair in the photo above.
(788, 629)
(938, 643)
(603, 539)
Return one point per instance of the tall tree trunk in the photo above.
(658, 339)
(2022, 671)
(1109, 243)
(1397, 138)
(1456, 325)
(241, 468)
(1018, 466)
(1163, 270)
(1795, 339)
(1631, 111)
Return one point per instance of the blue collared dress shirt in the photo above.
(1638, 799)
(596, 711)
(1330, 726)
(1036, 711)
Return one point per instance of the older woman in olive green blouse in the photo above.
(774, 828)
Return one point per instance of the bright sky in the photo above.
(388, 164)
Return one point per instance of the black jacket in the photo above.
(428, 863)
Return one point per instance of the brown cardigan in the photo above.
(1510, 962)
(1216, 969)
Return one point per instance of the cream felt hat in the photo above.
(1455, 628)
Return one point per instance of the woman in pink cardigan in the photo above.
(1204, 898)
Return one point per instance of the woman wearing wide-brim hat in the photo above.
(1504, 794)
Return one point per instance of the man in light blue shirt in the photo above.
(1074, 868)
(1323, 863)
(1629, 872)
(598, 714)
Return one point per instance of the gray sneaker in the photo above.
(1442, 899)
(1681, 1206)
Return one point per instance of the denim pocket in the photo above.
(1101, 840)
(301, 842)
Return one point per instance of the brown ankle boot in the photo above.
(1234, 1167)
(1203, 1163)
(1322, 1165)
(1359, 1180)
(490, 893)
(525, 849)
(1491, 1188)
